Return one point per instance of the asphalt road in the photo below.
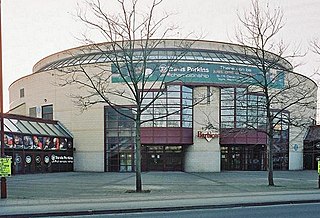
(274, 211)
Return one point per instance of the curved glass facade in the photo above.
(201, 55)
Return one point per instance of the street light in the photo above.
(3, 179)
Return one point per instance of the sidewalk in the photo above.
(92, 192)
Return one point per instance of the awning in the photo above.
(34, 126)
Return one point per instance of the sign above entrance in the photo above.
(208, 134)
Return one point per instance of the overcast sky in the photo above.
(34, 29)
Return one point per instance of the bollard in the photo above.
(3, 188)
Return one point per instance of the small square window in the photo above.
(33, 112)
(47, 112)
(22, 93)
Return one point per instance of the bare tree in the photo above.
(315, 46)
(283, 91)
(128, 72)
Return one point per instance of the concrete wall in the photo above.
(296, 148)
(204, 154)
(87, 127)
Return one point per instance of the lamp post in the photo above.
(3, 179)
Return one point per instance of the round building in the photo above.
(206, 115)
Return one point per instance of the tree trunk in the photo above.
(270, 146)
(270, 164)
(138, 156)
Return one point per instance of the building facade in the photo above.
(208, 116)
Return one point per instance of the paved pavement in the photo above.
(91, 193)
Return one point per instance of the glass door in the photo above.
(155, 158)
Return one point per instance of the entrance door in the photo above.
(38, 161)
(155, 158)
(29, 160)
(18, 162)
(243, 157)
(163, 158)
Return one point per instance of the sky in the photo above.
(34, 29)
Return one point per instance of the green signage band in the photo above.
(207, 73)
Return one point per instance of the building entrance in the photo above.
(162, 158)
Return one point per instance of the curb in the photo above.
(156, 209)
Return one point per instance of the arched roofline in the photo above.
(221, 47)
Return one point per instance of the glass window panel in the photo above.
(160, 123)
(61, 130)
(147, 124)
(186, 102)
(33, 112)
(112, 125)
(241, 112)
(11, 126)
(187, 111)
(160, 111)
(160, 95)
(148, 111)
(173, 94)
(262, 120)
(227, 103)
(149, 95)
(172, 123)
(161, 102)
(54, 129)
(241, 124)
(261, 113)
(227, 97)
(186, 89)
(30, 127)
(39, 128)
(88, 59)
(187, 118)
(226, 91)
(146, 117)
(173, 110)
(173, 117)
(227, 118)
(227, 112)
(186, 124)
(6, 129)
(241, 118)
(241, 91)
(47, 112)
(47, 129)
(66, 62)
(241, 104)
(173, 89)
(227, 125)
(146, 101)
(19, 124)
(174, 101)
